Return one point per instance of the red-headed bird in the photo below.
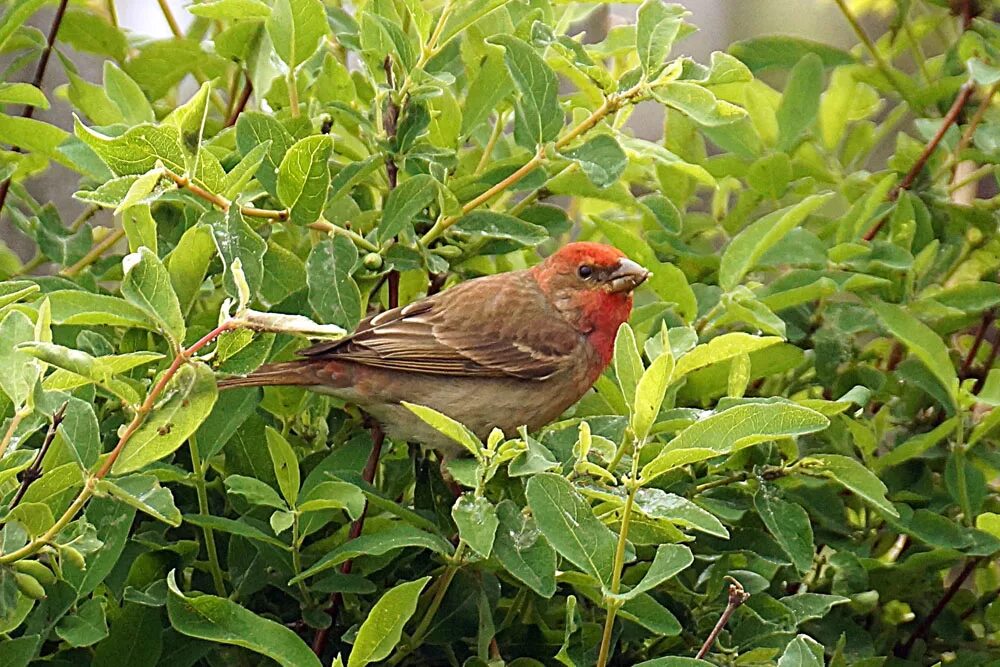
(500, 351)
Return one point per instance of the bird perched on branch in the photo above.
(501, 351)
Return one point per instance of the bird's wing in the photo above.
(495, 326)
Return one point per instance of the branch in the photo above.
(737, 596)
(34, 471)
(911, 176)
(220, 201)
(241, 104)
(95, 253)
(611, 104)
(43, 63)
(140, 417)
(925, 625)
(988, 317)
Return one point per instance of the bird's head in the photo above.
(591, 285)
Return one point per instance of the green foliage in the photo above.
(803, 401)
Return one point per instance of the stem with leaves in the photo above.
(144, 410)
(199, 468)
(611, 104)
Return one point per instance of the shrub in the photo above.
(789, 461)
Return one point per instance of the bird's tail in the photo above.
(283, 373)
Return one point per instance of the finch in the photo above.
(500, 351)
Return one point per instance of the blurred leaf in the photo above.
(296, 28)
(763, 53)
(657, 27)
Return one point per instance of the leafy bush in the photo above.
(790, 460)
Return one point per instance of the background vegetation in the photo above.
(791, 461)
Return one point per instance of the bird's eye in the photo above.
(585, 272)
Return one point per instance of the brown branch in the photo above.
(961, 100)
(925, 625)
(737, 596)
(988, 317)
(34, 471)
(241, 104)
(43, 63)
(988, 364)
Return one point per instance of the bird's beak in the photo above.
(627, 276)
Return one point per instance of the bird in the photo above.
(496, 352)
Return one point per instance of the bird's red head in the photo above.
(591, 285)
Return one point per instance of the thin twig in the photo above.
(911, 176)
(43, 63)
(925, 625)
(95, 253)
(737, 596)
(241, 104)
(220, 201)
(34, 471)
(988, 317)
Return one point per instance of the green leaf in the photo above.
(721, 348)
(18, 370)
(522, 550)
(921, 340)
(15, 16)
(539, 116)
(657, 27)
(500, 227)
(601, 157)
(254, 491)
(144, 493)
(669, 560)
(334, 495)
(296, 28)
(744, 251)
(810, 606)
(147, 285)
(802, 651)
(467, 13)
(186, 402)
(855, 477)
(220, 620)
(649, 393)
(699, 103)
(404, 203)
(188, 263)
(763, 53)
(398, 536)
(86, 626)
(246, 10)
(35, 136)
(658, 504)
(627, 362)
(448, 427)
(22, 93)
(126, 94)
(569, 525)
(731, 430)
(800, 103)
(789, 524)
(477, 522)
(240, 175)
(255, 129)
(236, 239)
(333, 294)
(241, 528)
(138, 222)
(286, 465)
(304, 178)
(383, 627)
(138, 150)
